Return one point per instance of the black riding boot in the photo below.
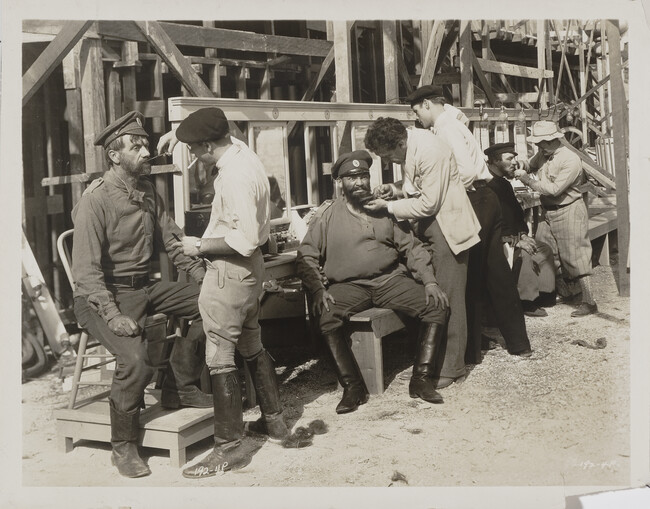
(355, 392)
(227, 453)
(180, 387)
(266, 388)
(124, 440)
(422, 383)
(271, 423)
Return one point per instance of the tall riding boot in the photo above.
(124, 440)
(422, 383)
(227, 453)
(180, 387)
(266, 388)
(355, 392)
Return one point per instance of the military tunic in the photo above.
(116, 230)
(366, 260)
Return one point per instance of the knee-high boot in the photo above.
(422, 383)
(124, 441)
(266, 387)
(227, 453)
(355, 392)
(180, 387)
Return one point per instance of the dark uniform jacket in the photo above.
(353, 248)
(114, 235)
(511, 211)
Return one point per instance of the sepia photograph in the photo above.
(364, 247)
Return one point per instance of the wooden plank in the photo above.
(593, 89)
(113, 95)
(542, 43)
(382, 321)
(620, 136)
(165, 47)
(591, 167)
(219, 38)
(366, 348)
(313, 85)
(483, 80)
(92, 98)
(52, 56)
(151, 109)
(466, 52)
(53, 205)
(432, 53)
(522, 97)
(602, 224)
(513, 70)
(391, 74)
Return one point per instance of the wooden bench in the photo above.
(174, 430)
(367, 328)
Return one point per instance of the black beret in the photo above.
(500, 148)
(422, 93)
(206, 124)
(352, 163)
(131, 123)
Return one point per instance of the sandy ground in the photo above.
(560, 418)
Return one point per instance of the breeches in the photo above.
(229, 304)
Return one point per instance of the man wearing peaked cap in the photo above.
(117, 223)
(131, 123)
(566, 222)
(351, 163)
(366, 258)
(531, 260)
(239, 225)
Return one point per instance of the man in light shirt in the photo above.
(229, 300)
(488, 272)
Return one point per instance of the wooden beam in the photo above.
(404, 73)
(484, 82)
(311, 89)
(513, 69)
(52, 56)
(391, 74)
(93, 102)
(591, 167)
(432, 53)
(87, 177)
(542, 43)
(219, 38)
(73, 116)
(178, 64)
(593, 89)
(466, 52)
(343, 70)
(620, 135)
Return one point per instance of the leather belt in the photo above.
(135, 282)
(556, 207)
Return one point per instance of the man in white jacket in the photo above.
(433, 194)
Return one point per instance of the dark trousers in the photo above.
(488, 274)
(451, 273)
(400, 293)
(134, 369)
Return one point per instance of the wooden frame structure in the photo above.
(80, 75)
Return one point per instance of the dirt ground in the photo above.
(560, 418)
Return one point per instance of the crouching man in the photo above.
(366, 258)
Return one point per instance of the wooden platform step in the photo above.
(174, 430)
